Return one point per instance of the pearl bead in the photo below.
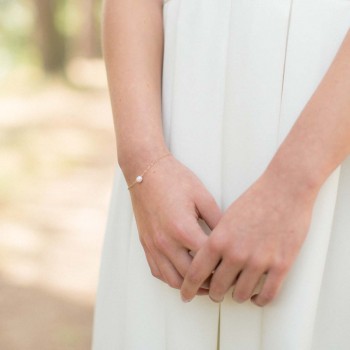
(139, 179)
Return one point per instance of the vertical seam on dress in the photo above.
(132, 224)
(170, 124)
(224, 100)
(283, 72)
(222, 140)
(218, 335)
(172, 94)
(279, 127)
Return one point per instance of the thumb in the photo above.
(198, 235)
(208, 208)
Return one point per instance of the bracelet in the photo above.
(139, 178)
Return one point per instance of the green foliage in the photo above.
(20, 30)
(16, 31)
(68, 18)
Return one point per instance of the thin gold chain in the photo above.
(139, 178)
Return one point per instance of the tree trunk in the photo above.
(51, 41)
(90, 33)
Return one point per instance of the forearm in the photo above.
(320, 139)
(133, 52)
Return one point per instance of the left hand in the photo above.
(260, 233)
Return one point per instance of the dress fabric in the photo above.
(236, 75)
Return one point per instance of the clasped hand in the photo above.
(259, 235)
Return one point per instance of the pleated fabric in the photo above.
(236, 75)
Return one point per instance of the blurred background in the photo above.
(57, 159)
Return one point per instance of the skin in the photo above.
(263, 230)
(167, 224)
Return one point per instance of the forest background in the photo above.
(57, 161)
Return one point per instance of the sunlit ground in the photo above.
(57, 159)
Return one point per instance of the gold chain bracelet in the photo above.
(139, 178)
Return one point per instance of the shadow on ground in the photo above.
(31, 316)
(57, 159)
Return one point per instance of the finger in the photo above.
(223, 278)
(258, 288)
(206, 283)
(272, 286)
(201, 268)
(192, 235)
(168, 271)
(187, 237)
(157, 274)
(181, 259)
(208, 208)
(246, 283)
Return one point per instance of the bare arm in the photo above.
(170, 199)
(320, 139)
(133, 51)
(263, 230)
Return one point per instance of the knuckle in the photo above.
(280, 266)
(256, 264)
(270, 292)
(176, 225)
(156, 274)
(236, 257)
(215, 245)
(217, 289)
(178, 228)
(267, 296)
(160, 241)
(194, 278)
(174, 283)
(200, 195)
(240, 295)
(181, 234)
(209, 199)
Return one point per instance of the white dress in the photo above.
(236, 75)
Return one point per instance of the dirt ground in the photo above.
(57, 159)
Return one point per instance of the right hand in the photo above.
(167, 206)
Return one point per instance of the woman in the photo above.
(232, 122)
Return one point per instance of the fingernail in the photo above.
(186, 300)
(216, 301)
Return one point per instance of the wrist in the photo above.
(133, 160)
(292, 179)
